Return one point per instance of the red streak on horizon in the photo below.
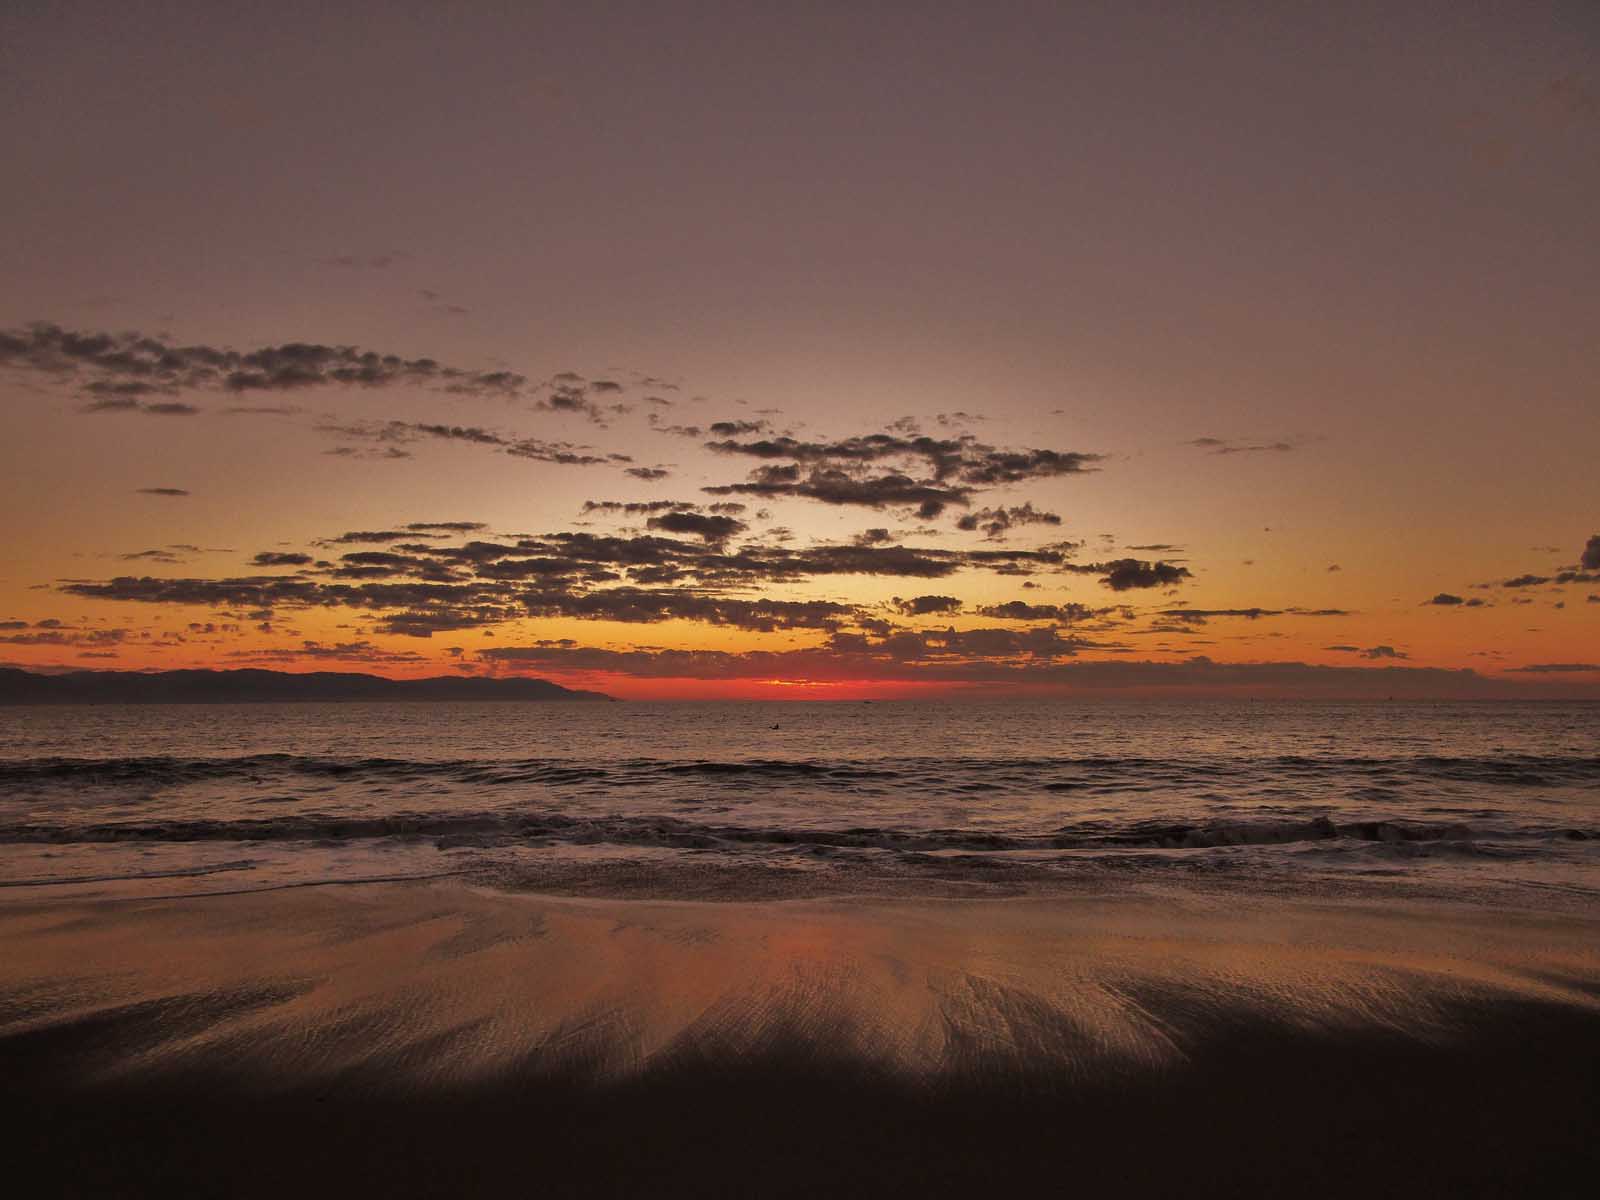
(636, 688)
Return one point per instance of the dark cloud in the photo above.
(962, 460)
(362, 652)
(1591, 554)
(933, 654)
(919, 606)
(728, 429)
(252, 591)
(386, 453)
(711, 527)
(162, 491)
(426, 623)
(406, 432)
(1231, 446)
(1587, 571)
(689, 431)
(1019, 610)
(640, 605)
(650, 474)
(360, 537)
(1128, 573)
(164, 408)
(1449, 600)
(53, 633)
(1556, 668)
(570, 393)
(445, 526)
(847, 471)
(833, 486)
(1199, 616)
(384, 564)
(120, 369)
(997, 522)
(426, 577)
(416, 587)
(636, 507)
(1370, 651)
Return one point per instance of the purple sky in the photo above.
(1365, 234)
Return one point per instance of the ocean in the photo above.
(738, 800)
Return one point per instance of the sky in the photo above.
(823, 351)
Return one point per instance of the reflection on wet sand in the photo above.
(412, 1007)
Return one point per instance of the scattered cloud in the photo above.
(891, 469)
(921, 606)
(1370, 651)
(1020, 610)
(711, 527)
(419, 578)
(996, 523)
(120, 372)
(1128, 573)
(400, 433)
(635, 508)
(1215, 445)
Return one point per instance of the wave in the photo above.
(1047, 774)
(489, 829)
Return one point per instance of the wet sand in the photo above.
(436, 1038)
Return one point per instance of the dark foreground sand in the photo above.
(435, 1039)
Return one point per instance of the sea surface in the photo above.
(775, 799)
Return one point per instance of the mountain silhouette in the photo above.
(257, 686)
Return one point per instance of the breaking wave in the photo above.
(486, 829)
(1500, 770)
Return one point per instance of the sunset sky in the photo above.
(826, 350)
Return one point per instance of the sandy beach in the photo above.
(435, 1038)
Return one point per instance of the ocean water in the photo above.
(774, 799)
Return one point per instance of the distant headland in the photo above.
(250, 686)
